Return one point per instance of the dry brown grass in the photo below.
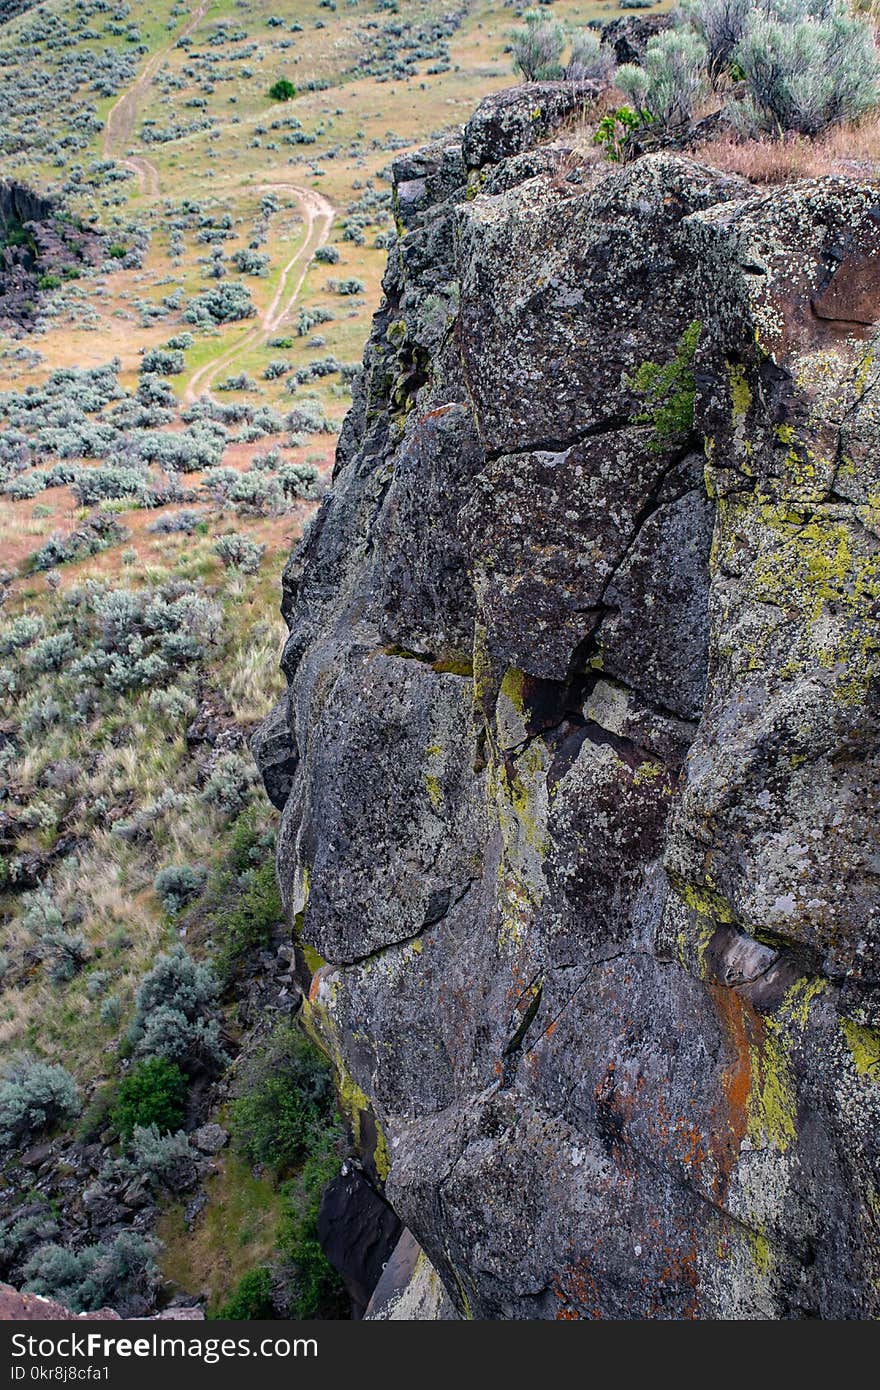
(847, 151)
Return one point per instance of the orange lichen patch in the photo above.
(744, 1029)
(691, 1144)
(317, 981)
(576, 1290)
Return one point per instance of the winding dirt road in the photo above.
(147, 174)
(319, 216)
(122, 116)
(317, 211)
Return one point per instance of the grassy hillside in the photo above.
(166, 425)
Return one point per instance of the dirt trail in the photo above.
(319, 216)
(147, 174)
(317, 211)
(122, 116)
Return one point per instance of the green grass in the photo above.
(237, 1232)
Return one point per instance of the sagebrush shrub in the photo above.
(34, 1096)
(720, 24)
(589, 60)
(175, 1013)
(226, 303)
(805, 70)
(239, 552)
(120, 1274)
(176, 884)
(537, 48)
(230, 782)
(673, 77)
(165, 1160)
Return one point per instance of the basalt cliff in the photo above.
(578, 761)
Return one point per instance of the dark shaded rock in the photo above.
(275, 754)
(33, 1158)
(629, 35)
(358, 1231)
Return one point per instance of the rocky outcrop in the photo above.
(40, 246)
(579, 752)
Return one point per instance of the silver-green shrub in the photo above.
(537, 48)
(806, 66)
(34, 1096)
(671, 81)
(589, 59)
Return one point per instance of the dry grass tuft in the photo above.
(847, 151)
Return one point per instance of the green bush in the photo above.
(282, 90)
(153, 1093)
(286, 1100)
(248, 925)
(242, 903)
(252, 1298)
(98, 1114)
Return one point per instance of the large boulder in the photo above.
(517, 118)
(580, 843)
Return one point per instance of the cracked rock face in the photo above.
(579, 757)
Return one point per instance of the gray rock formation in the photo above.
(580, 742)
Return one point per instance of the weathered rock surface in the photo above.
(36, 240)
(410, 1289)
(583, 742)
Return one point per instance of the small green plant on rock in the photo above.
(614, 130)
(669, 391)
